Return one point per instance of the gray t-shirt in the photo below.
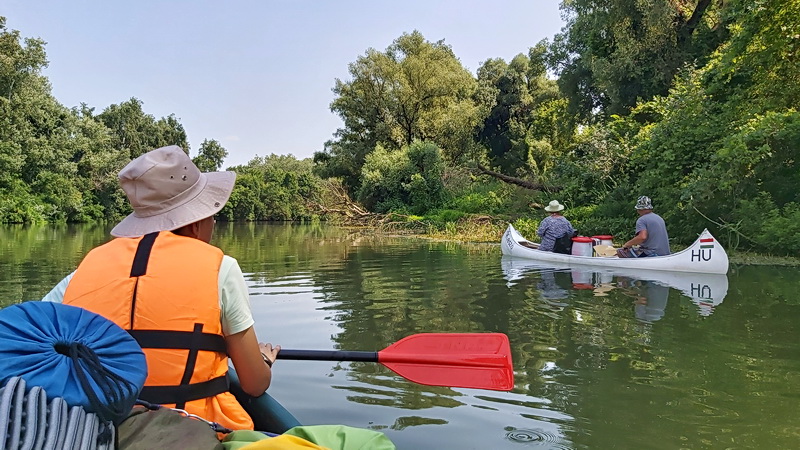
(657, 239)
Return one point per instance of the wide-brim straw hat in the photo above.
(554, 206)
(167, 191)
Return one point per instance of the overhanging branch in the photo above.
(518, 181)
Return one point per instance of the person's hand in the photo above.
(268, 352)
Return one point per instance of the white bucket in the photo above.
(604, 239)
(582, 246)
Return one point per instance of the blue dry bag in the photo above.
(72, 353)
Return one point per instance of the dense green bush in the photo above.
(272, 188)
(439, 218)
(527, 227)
(768, 227)
(478, 202)
(406, 179)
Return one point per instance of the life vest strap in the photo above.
(185, 393)
(186, 340)
(142, 256)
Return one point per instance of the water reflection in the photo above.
(650, 298)
(649, 289)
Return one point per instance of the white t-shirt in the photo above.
(234, 302)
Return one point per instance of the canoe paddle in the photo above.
(466, 360)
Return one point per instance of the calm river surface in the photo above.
(602, 360)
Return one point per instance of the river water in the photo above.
(601, 360)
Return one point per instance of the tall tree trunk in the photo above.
(686, 29)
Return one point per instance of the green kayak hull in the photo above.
(267, 414)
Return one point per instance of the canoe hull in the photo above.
(705, 255)
(266, 412)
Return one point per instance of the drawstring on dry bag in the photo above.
(115, 388)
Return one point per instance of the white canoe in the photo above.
(705, 255)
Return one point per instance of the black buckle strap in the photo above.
(142, 256)
(180, 340)
(185, 393)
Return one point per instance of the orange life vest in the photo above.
(163, 289)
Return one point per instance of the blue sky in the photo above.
(254, 75)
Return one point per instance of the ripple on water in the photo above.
(536, 437)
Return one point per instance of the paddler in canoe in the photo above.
(555, 230)
(651, 237)
(184, 301)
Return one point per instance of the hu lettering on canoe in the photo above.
(704, 252)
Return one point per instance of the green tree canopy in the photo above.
(614, 53)
(415, 90)
(210, 156)
(527, 126)
(276, 187)
(727, 137)
(409, 179)
(135, 132)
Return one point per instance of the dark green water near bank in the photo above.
(601, 360)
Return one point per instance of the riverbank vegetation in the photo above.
(691, 102)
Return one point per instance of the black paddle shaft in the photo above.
(327, 355)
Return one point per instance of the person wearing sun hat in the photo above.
(651, 233)
(184, 301)
(553, 226)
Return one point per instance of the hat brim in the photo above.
(209, 201)
(557, 209)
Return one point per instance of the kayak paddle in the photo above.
(467, 360)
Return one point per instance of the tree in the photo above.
(38, 179)
(415, 90)
(276, 187)
(527, 126)
(135, 132)
(724, 142)
(614, 53)
(211, 156)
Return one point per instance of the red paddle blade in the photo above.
(468, 360)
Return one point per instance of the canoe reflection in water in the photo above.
(649, 289)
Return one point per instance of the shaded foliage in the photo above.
(613, 54)
(528, 122)
(409, 179)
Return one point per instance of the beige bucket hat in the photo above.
(554, 206)
(167, 191)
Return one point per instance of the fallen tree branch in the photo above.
(518, 181)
